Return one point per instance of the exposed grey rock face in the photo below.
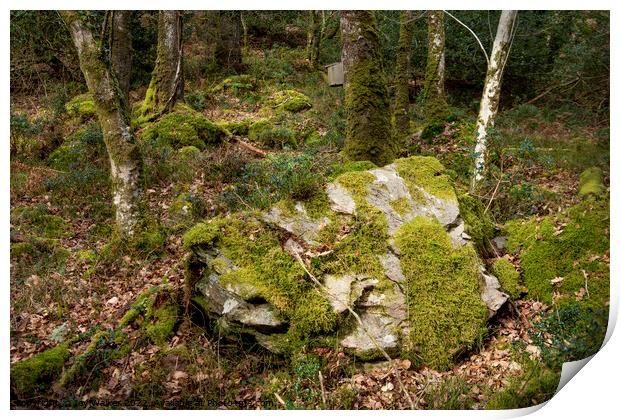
(491, 294)
(299, 224)
(380, 302)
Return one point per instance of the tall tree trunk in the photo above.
(228, 48)
(244, 27)
(112, 112)
(166, 87)
(369, 131)
(490, 94)
(120, 48)
(435, 105)
(313, 48)
(403, 71)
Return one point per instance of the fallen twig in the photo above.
(250, 148)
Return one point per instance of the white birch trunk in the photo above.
(490, 94)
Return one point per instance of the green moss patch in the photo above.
(236, 84)
(508, 277)
(161, 316)
(591, 182)
(427, 173)
(289, 100)
(36, 374)
(184, 127)
(356, 166)
(556, 252)
(239, 128)
(446, 313)
(82, 107)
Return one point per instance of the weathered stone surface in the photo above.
(491, 294)
(376, 287)
(299, 224)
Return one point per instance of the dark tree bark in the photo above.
(313, 48)
(166, 87)
(369, 131)
(403, 71)
(228, 48)
(120, 48)
(112, 112)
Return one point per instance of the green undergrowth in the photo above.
(564, 253)
(272, 134)
(446, 312)
(38, 221)
(478, 224)
(184, 127)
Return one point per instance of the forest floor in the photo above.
(64, 285)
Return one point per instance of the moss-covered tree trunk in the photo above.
(166, 86)
(120, 48)
(403, 71)
(111, 107)
(435, 105)
(369, 131)
(313, 47)
(228, 47)
(490, 94)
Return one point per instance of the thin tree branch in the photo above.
(472, 32)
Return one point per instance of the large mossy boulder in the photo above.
(388, 243)
(184, 127)
(81, 107)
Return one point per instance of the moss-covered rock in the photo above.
(289, 100)
(81, 107)
(188, 153)
(373, 246)
(556, 252)
(591, 182)
(446, 313)
(184, 127)
(239, 128)
(161, 316)
(269, 134)
(508, 277)
(36, 374)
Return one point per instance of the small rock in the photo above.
(113, 301)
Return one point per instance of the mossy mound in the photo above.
(184, 127)
(508, 277)
(36, 374)
(38, 221)
(289, 100)
(237, 84)
(355, 166)
(591, 182)
(239, 128)
(478, 224)
(270, 134)
(564, 253)
(446, 313)
(81, 107)
(188, 153)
